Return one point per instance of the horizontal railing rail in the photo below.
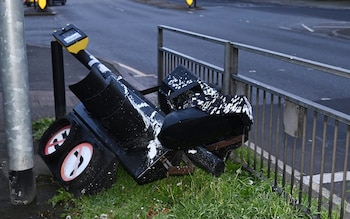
(295, 60)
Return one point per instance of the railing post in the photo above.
(230, 67)
(160, 56)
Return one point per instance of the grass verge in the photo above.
(235, 194)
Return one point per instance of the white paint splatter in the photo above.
(154, 120)
(192, 151)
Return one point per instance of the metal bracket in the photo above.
(178, 170)
(224, 143)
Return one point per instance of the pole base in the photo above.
(22, 187)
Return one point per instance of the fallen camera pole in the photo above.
(115, 123)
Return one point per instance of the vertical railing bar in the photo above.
(241, 155)
(249, 143)
(213, 76)
(246, 89)
(221, 78)
(168, 63)
(173, 61)
(247, 148)
(284, 159)
(324, 141)
(270, 136)
(293, 166)
(234, 70)
(198, 69)
(195, 69)
(207, 75)
(170, 59)
(257, 126)
(228, 67)
(210, 77)
(277, 140)
(345, 170)
(217, 79)
(199, 73)
(313, 145)
(165, 64)
(334, 157)
(263, 132)
(302, 162)
(203, 71)
(160, 55)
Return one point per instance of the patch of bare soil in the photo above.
(39, 208)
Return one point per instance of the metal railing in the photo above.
(301, 145)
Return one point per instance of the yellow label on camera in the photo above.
(78, 46)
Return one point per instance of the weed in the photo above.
(39, 127)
